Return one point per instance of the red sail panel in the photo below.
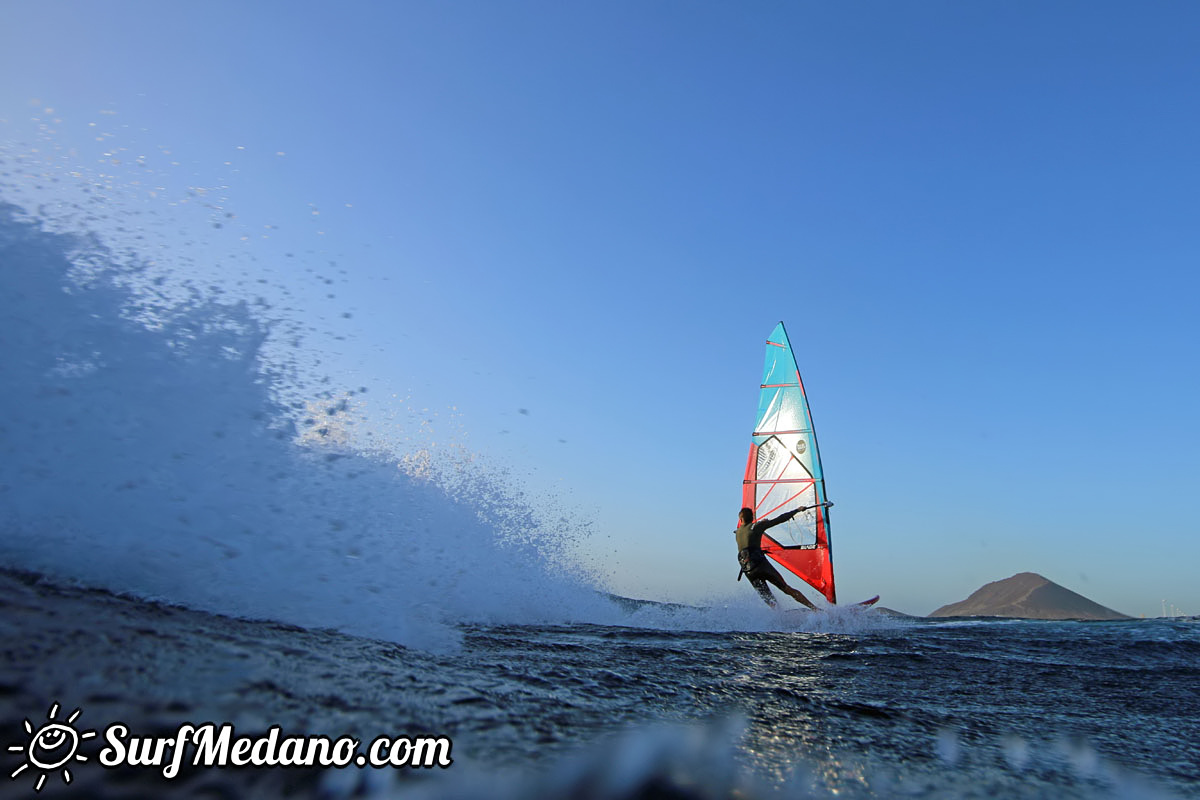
(811, 564)
(748, 498)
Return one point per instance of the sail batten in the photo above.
(783, 471)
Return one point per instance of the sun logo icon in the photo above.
(51, 747)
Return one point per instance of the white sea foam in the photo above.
(155, 442)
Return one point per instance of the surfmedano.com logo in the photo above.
(52, 747)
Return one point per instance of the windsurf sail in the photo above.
(784, 472)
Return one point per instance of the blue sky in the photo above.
(978, 221)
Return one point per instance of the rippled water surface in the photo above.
(898, 708)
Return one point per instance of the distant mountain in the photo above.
(1027, 596)
(891, 612)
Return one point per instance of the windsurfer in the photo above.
(754, 562)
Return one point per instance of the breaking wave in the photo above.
(148, 449)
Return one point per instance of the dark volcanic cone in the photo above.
(1027, 596)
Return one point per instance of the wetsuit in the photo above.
(754, 562)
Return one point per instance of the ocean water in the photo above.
(189, 534)
(879, 708)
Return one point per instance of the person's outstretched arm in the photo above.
(771, 523)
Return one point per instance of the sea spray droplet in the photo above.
(1016, 752)
(947, 746)
(1081, 756)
